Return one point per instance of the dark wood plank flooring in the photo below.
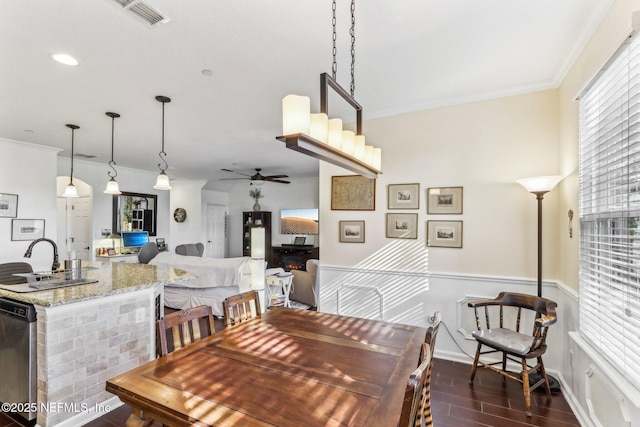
(490, 402)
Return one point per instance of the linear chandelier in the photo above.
(317, 135)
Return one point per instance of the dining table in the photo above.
(287, 367)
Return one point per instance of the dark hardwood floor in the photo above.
(490, 402)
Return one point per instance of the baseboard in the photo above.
(92, 413)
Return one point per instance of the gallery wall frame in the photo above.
(444, 234)
(353, 193)
(444, 200)
(351, 231)
(8, 205)
(403, 196)
(402, 225)
(27, 229)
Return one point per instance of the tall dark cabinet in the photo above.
(257, 219)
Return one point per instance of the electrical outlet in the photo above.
(140, 314)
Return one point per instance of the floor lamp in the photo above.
(540, 185)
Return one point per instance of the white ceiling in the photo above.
(410, 55)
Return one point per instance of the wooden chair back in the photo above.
(416, 406)
(181, 328)
(431, 335)
(241, 307)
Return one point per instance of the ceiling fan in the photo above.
(258, 178)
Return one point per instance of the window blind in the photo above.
(609, 209)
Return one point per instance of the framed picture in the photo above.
(353, 193)
(351, 231)
(27, 229)
(402, 226)
(444, 234)
(8, 205)
(111, 251)
(403, 196)
(444, 200)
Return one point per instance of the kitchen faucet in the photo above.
(56, 262)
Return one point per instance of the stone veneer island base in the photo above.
(89, 333)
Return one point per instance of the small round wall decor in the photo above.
(180, 215)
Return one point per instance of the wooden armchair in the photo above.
(241, 307)
(514, 345)
(416, 407)
(181, 328)
(431, 335)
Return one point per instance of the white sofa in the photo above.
(217, 279)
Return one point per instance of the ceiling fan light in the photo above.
(70, 191)
(162, 182)
(112, 187)
(258, 182)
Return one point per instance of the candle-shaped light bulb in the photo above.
(335, 133)
(319, 127)
(358, 143)
(377, 158)
(347, 142)
(295, 114)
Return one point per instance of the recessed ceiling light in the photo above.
(65, 59)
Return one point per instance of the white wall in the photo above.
(187, 195)
(301, 193)
(29, 171)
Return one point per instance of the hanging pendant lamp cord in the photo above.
(72, 133)
(334, 64)
(112, 163)
(162, 153)
(352, 31)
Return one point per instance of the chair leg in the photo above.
(544, 375)
(475, 364)
(525, 387)
(504, 366)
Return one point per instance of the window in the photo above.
(610, 211)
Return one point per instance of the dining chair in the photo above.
(241, 307)
(512, 311)
(416, 406)
(432, 333)
(181, 328)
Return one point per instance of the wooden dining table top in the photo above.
(287, 367)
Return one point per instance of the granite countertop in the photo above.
(112, 278)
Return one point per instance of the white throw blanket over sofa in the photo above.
(217, 279)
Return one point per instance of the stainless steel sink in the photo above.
(52, 284)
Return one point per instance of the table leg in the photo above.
(136, 420)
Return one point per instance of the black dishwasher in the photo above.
(18, 376)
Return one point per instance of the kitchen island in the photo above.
(89, 333)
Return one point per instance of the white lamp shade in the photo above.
(257, 242)
(358, 151)
(295, 114)
(70, 191)
(335, 133)
(162, 182)
(368, 154)
(112, 187)
(377, 158)
(347, 142)
(540, 184)
(319, 127)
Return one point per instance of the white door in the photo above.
(79, 227)
(216, 246)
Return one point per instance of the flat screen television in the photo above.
(134, 239)
(299, 221)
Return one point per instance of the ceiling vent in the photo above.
(143, 11)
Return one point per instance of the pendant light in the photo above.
(71, 190)
(317, 135)
(162, 182)
(112, 184)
